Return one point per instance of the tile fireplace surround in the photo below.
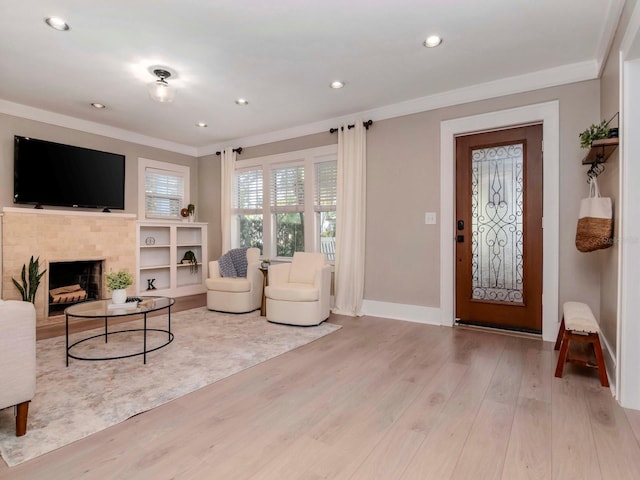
(60, 235)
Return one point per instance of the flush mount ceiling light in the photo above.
(98, 105)
(160, 90)
(242, 101)
(201, 125)
(432, 41)
(57, 23)
(337, 84)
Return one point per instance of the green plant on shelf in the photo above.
(190, 258)
(594, 132)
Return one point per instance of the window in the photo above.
(287, 203)
(163, 187)
(325, 201)
(287, 207)
(247, 205)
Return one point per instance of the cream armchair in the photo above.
(299, 292)
(236, 295)
(17, 359)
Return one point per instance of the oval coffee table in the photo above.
(105, 309)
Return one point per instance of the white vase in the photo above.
(119, 296)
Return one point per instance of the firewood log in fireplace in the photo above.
(67, 294)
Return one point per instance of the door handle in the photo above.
(460, 238)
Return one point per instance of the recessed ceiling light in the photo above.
(242, 101)
(57, 23)
(201, 125)
(337, 84)
(98, 105)
(432, 41)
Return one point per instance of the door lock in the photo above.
(460, 224)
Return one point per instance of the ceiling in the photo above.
(282, 55)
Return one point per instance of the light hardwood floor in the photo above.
(378, 399)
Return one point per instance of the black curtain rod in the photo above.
(366, 125)
(237, 150)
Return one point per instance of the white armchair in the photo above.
(236, 295)
(17, 359)
(299, 292)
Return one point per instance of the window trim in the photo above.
(170, 168)
(307, 158)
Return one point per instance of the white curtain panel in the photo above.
(227, 166)
(351, 214)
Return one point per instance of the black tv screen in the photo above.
(48, 173)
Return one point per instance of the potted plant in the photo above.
(29, 285)
(190, 258)
(265, 263)
(191, 208)
(118, 283)
(594, 132)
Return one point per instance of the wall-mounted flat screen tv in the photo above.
(48, 173)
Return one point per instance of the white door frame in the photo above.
(628, 335)
(549, 114)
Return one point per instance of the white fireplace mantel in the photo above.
(86, 213)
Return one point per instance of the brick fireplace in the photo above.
(64, 236)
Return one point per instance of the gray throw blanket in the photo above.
(233, 264)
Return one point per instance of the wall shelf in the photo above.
(600, 150)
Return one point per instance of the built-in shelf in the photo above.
(600, 150)
(161, 247)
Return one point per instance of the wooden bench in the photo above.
(578, 324)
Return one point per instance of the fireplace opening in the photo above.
(73, 282)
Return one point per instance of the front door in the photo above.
(499, 229)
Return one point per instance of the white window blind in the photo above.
(326, 190)
(287, 189)
(248, 192)
(164, 193)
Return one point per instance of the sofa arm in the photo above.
(17, 352)
(214, 269)
(279, 274)
(322, 280)
(254, 275)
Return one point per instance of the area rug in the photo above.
(86, 397)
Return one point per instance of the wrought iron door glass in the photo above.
(497, 207)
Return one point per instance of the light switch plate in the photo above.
(430, 218)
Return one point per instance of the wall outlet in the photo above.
(430, 218)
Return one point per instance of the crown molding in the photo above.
(552, 77)
(608, 32)
(631, 36)
(45, 116)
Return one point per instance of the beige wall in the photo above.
(10, 126)
(209, 201)
(609, 183)
(403, 182)
(407, 150)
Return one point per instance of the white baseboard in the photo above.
(608, 349)
(398, 311)
(610, 362)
